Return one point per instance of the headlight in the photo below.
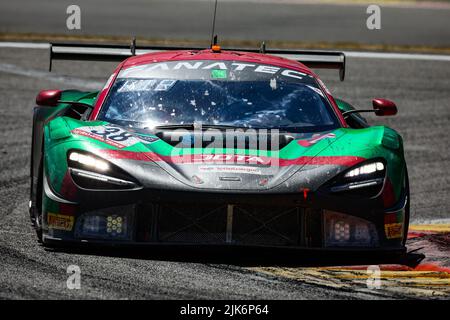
(366, 179)
(365, 170)
(91, 172)
(88, 161)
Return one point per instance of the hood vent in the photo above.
(250, 140)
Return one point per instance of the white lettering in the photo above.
(267, 69)
(162, 66)
(219, 65)
(187, 65)
(293, 74)
(193, 310)
(241, 66)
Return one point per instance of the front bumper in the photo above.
(155, 217)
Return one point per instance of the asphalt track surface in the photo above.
(27, 270)
(269, 20)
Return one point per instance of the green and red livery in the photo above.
(212, 147)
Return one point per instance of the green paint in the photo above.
(218, 74)
(372, 142)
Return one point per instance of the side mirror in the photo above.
(48, 98)
(384, 107)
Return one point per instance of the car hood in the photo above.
(155, 163)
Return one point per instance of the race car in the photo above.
(195, 146)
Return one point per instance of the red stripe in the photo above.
(221, 158)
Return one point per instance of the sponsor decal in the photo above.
(132, 85)
(231, 158)
(165, 85)
(346, 161)
(230, 169)
(113, 135)
(60, 221)
(218, 69)
(315, 138)
(393, 225)
(218, 74)
(147, 139)
(393, 230)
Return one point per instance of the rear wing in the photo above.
(106, 52)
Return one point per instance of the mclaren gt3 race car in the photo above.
(215, 147)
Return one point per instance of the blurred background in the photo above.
(405, 25)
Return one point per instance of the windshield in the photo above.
(218, 93)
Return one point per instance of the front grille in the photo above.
(196, 224)
(222, 224)
(267, 225)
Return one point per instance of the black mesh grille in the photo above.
(217, 224)
(196, 224)
(266, 225)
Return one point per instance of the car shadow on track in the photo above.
(248, 256)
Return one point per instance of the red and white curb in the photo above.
(429, 278)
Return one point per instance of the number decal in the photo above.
(123, 136)
(105, 133)
(112, 135)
